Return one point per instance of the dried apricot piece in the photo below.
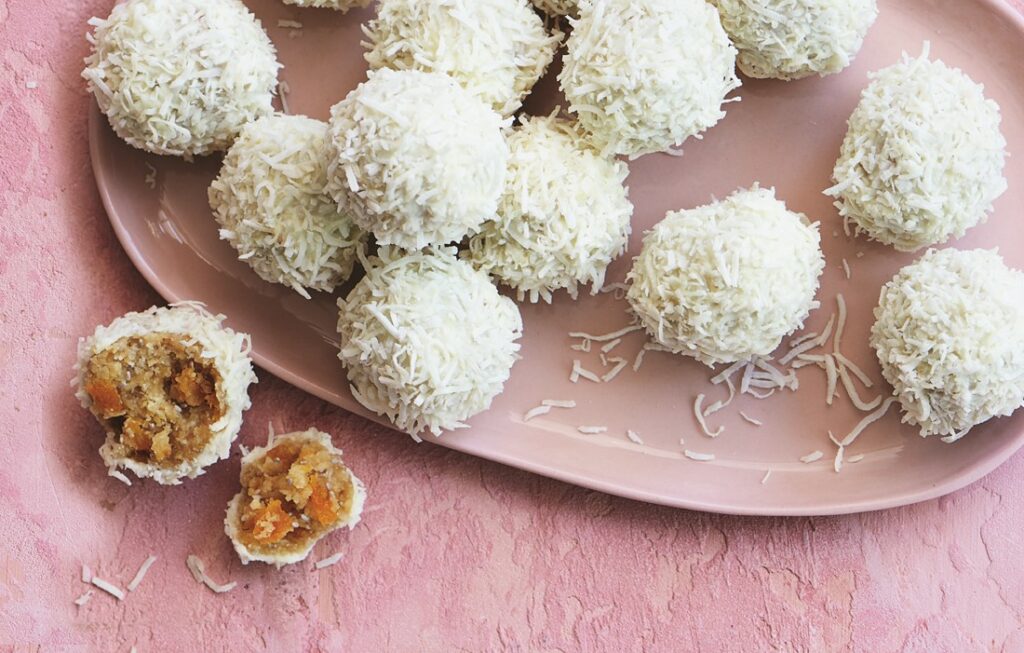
(272, 523)
(320, 506)
(105, 398)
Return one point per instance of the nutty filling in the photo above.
(156, 396)
(293, 495)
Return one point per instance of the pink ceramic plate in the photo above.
(785, 135)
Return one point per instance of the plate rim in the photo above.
(97, 123)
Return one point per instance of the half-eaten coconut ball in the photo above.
(168, 386)
(182, 77)
(949, 334)
(796, 38)
(563, 218)
(923, 158)
(727, 281)
(496, 49)
(295, 491)
(642, 76)
(427, 339)
(273, 207)
(339, 5)
(416, 158)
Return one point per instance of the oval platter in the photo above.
(782, 135)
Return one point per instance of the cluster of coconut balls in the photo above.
(431, 160)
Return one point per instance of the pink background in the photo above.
(453, 553)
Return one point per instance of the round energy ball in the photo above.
(949, 334)
(340, 5)
(727, 281)
(563, 218)
(168, 386)
(295, 491)
(923, 158)
(427, 340)
(796, 38)
(496, 49)
(181, 77)
(416, 158)
(272, 205)
(644, 75)
(557, 7)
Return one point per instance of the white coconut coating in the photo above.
(181, 77)
(226, 349)
(557, 7)
(949, 334)
(340, 5)
(497, 49)
(427, 340)
(563, 218)
(645, 75)
(232, 521)
(727, 281)
(416, 158)
(792, 39)
(273, 207)
(923, 157)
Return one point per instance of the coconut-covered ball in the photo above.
(564, 215)
(340, 5)
(181, 77)
(416, 158)
(557, 7)
(427, 339)
(727, 281)
(295, 491)
(644, 75)
(923, 158)
(949, 334)
(497, 49)
(273, 207)
(793, 39)
(168, 386)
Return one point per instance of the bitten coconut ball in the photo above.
(644, 75)
(181, 77)
(273, 207)
(949, 334)
(427, 339)
(295, 491)
(793, 39)
(340, 5)
(496, 49)
(416, 158)
(563, 218)
(727, 281)
(923, 158)
(168, 386)
(557, 7)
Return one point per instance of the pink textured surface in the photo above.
(453, 553)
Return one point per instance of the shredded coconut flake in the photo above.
(767, 475)
(755, 422)
(536, 412)
(592, 430)
(699, 414)
(329, 561)
(634, 437)
(559, 403)
(84, 598)
(699, 457)
(109, 588)
(814, 456)
(198, 569)
(868, 421)
(141, 573)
